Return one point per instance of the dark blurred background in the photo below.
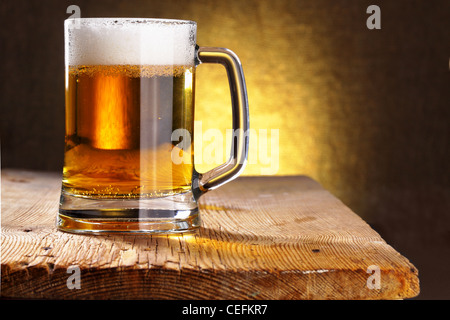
(364, 112)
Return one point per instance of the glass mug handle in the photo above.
(240, 118)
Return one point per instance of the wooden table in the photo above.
(262, 238)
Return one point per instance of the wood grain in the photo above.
(261, 238)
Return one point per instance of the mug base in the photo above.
(174, 214)
(126, 226)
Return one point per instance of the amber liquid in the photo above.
(119, 122)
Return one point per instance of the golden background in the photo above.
(364, 112)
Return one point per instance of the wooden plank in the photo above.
(261, 238)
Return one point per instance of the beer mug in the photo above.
(129, 158)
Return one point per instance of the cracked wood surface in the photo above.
(261, 238)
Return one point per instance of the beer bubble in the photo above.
(130, 41)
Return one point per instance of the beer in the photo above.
(128, 158)
(119, 121)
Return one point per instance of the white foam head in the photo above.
(133, 41)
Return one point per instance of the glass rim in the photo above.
(131, 20)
